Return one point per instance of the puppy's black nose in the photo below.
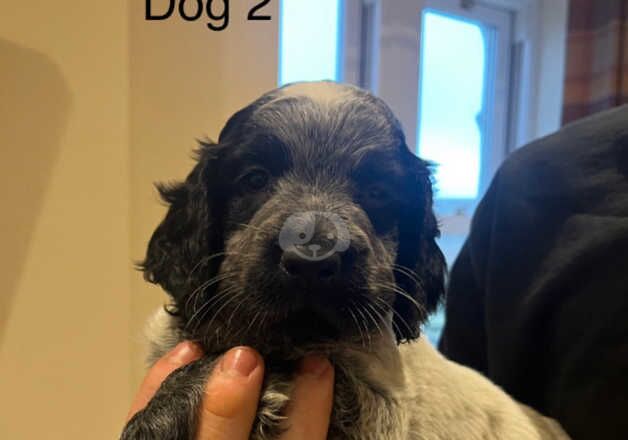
(294, 263)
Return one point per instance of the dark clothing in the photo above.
(538, 298)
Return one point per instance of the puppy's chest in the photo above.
(360, 411)
(363, 412)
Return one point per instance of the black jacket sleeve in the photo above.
(538, 297)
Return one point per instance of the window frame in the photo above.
(534, 87)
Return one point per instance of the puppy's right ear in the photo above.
(185, 237)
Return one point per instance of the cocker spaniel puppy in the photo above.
(308, 228)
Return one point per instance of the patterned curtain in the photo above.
(596, 76)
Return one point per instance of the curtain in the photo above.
(596, 74)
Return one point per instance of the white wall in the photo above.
(551, 70)
(541, 27)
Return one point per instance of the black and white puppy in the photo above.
(308, 228)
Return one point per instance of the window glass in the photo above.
(308, 40)
(451, 85)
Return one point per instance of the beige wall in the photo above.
(95, 105)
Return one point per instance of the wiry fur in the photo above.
(323, 148)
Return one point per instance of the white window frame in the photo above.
(537, 67)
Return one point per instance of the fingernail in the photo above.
(314, 365)
(239, 361)
(184, 353)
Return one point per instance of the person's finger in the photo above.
(182, 354)
(310, 407)
(231, 396)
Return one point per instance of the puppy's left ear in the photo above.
(421, 266)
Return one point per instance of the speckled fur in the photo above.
(214, 253)
(406, 392)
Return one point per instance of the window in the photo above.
(451, 99)
(463, 102)
(309, 46)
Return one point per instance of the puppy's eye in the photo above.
(256, 180)
(377, 195)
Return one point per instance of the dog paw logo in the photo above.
(301, 233)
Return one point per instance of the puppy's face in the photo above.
(308, 222)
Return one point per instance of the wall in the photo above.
(96, 104)
(64, 170)
(551, 68)
(541, 28)
(399, 42)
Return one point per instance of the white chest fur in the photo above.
(406, 392)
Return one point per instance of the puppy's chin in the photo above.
(303, 326)
(311, 325)
(288, 333)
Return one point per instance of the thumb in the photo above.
(231, 396)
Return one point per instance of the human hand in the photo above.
(233, 390)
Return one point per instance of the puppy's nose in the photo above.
(308, 269)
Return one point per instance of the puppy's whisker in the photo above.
(246, 332)
(225, 304)
(264, 316)
(205, 260)
(384, 311)
(202, 262)
(254, 228)
(212, 301)
(235, 310)
(406, 268)
(196, 293)
(375, 321)
(198, 312)
(408, 272)
(355, 320)
(399, 291)
(237, 295)
(398, 315)
(367, 339)
(367, 312)
(360, 309)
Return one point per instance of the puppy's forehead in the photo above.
(328, 120)
(322, 93)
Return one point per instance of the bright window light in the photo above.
(308, 40)
(451, 98)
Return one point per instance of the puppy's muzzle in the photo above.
(311, 271)
(315, 248)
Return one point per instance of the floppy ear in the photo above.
(185, 237)
(418, 253)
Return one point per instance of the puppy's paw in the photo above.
(172, 412)
(271, 418)
(145, 427)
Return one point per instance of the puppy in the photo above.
(308, 228)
